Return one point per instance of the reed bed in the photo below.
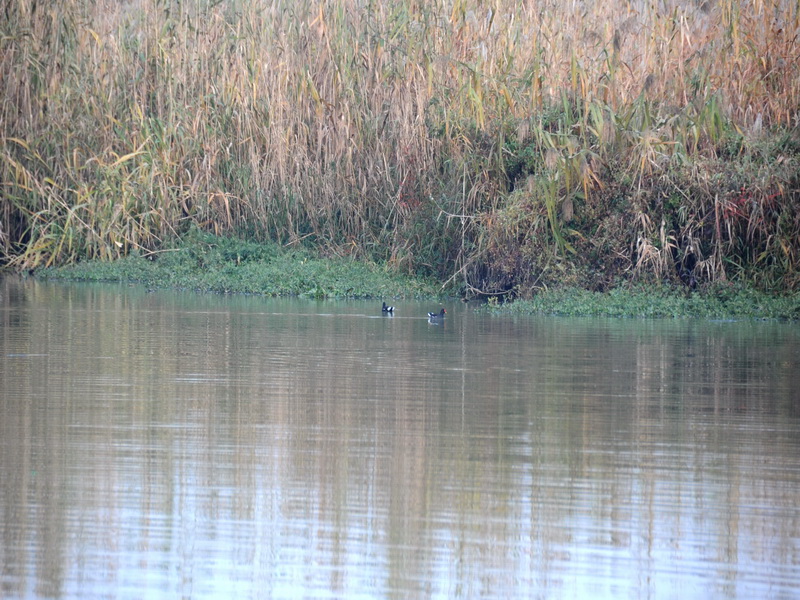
(503, 146)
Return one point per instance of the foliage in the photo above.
(210, 263)
(718, 301)
(502, 147)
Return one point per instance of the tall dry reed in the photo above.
(382, 129)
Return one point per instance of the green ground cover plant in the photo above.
(719, 301)
(209, 263)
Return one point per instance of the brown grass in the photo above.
(382, 129)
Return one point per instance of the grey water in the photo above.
(172, 444)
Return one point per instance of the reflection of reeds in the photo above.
(361, 124)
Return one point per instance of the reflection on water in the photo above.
(168, 444)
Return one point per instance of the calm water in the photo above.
(171, 445)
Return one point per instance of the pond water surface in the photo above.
(168, 444)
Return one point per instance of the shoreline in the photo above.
(208, 264)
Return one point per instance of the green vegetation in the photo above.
(502, 148)
(720, 301)
(208, 263)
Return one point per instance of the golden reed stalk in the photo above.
(368, 126)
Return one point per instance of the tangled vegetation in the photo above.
(502, 147)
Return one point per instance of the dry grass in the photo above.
(377, 128)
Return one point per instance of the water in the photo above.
(170, 444)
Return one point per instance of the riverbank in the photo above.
(507, 148)
(720, 301)
(207, 263)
